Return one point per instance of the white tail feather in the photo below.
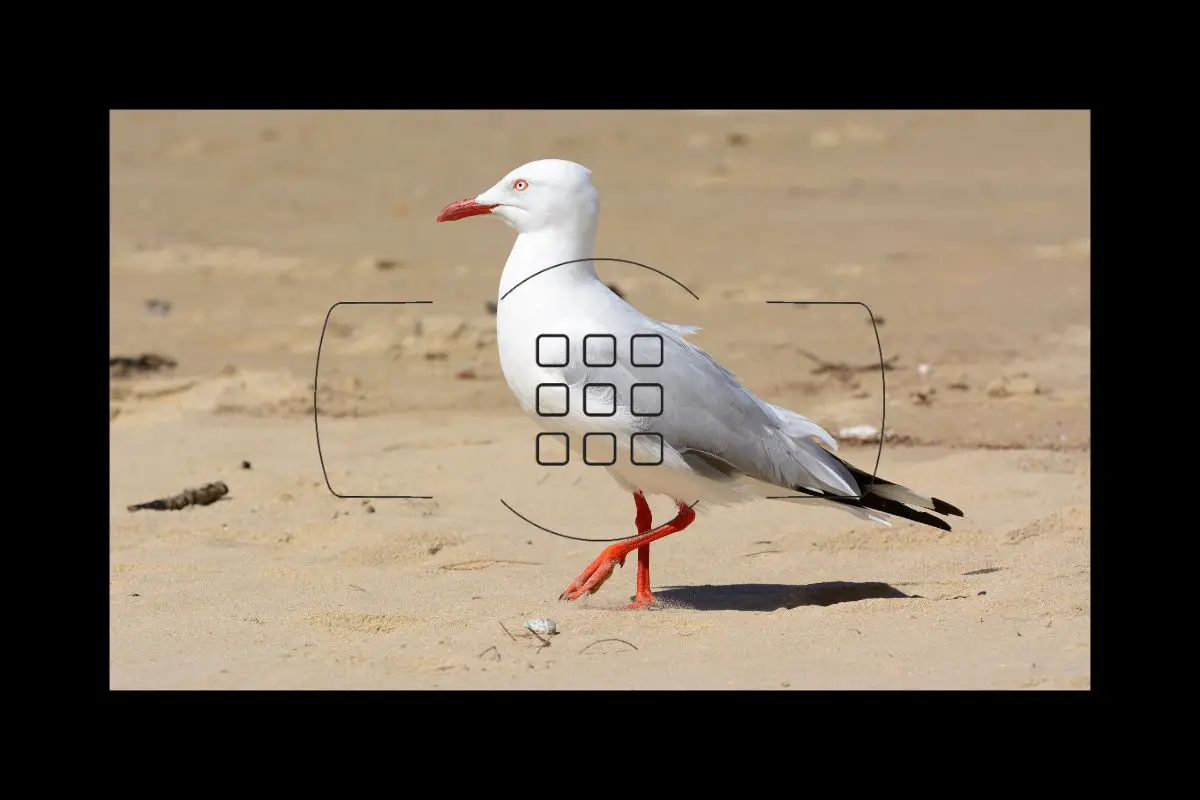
(900, 494)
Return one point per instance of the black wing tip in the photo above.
(928, 519)
(893, 507)
(942, 507)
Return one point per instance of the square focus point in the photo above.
(646, 350)
(553, 449)
(651, 447)
(553, 350)
(553, 400)
(600, 400)
(600, 350)
(646, 399)
(599, 449)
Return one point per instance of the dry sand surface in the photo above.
(966, 232)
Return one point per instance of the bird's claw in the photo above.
(594, 576)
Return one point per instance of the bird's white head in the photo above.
(546, 194)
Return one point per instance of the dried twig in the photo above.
(538, 636)
(484, 563)
(843, 370)
(205, 495)
(601, 641)
(485, 652)
(501, 624)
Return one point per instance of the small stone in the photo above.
(997, 388)
(859, 433)
(245, 465)
(542, 627)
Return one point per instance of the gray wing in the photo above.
(713, 422)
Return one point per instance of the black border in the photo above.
(528, 278)
(522, 282)
(882, 377)
(317, 387)
(537, 400)
(662, 350)
(537, 449)
(537, 349)
(587, 413)
(661, 449)
(613, 436)
(661, 399)
(599, 336)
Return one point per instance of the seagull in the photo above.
(664, 416)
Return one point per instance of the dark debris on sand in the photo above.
(206, 495)
(127, 366)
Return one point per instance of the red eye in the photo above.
(520, 184)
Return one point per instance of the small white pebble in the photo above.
(542, 627)
(860, 433)
(923, 369)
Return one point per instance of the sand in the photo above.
(233, 233)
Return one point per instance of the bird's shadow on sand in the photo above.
(770, 596)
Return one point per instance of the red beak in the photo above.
(463, 209)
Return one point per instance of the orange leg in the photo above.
(601, 569)
(644, 522)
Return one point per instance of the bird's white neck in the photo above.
(538, 250)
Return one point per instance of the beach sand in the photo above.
(233, 233)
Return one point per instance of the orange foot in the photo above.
(596, 573)
(643, 598)
(642, 601)
(601, 569)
